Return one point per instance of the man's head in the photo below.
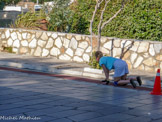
(98, 55)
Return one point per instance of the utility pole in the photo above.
(37, 2)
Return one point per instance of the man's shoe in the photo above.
(104, 81)
(133, 83)
(115, 83)
(107, 82)
(139, 80)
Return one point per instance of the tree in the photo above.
(98, 3)
(60, 16)
(103, 23)
(80, 23)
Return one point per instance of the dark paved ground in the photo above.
(44, 98)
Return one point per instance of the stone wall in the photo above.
(142, 55)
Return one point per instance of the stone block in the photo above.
(89, 49)
(29, 35)
(108, 45)
(83, 44)
(125, 43)
(49, 34)
(149, 62)
(16, 43)
(105, 51)
(79, 52)
(66, 43)
(3, 36)
(70, 52)
(54, 35)
(88, 39)
(103, 39)
(146, 55)
(38, 34)
(127, 55)
(78, 37)
(117, 42)
(14, 36)
(141, 67)
(61, 34)
(38, 51)
(23, 50)
(9, 42)
(33, 36)
(54, 51)
(159, 57)
(24, 35)
(69, 36)
(138, 62)
(73, 43)
(45, 53)
(31, 51)
(33, 43)
(19, 35)
(65, 57)
(151, 50)
(50, 43)
(122, 42)
(15, 50)
(133, 57)
(86, 57)
(44, 36)
(135, 46)
(58, 42)
(24, 43)
(149, 69)
(7, 33)
(116, 52)
(143, 47)
(157, 47)
(41, 43)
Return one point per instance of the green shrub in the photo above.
(140, 19)
(93, 63)
(82, 10)
(30, 20)
(7, 49)
(60, 16)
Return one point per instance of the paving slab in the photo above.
(55, 99)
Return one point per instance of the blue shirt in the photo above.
(107, 61)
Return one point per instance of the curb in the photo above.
(73, 78)
(86, 72)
